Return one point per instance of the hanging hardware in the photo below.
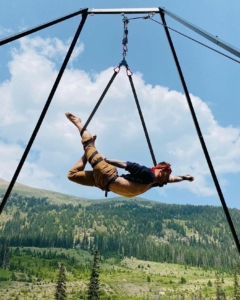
(125, 36)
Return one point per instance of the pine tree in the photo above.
(220, 294)
(61, 284)
(93, 287)
(236, 285)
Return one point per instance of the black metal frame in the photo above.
(48, 102)
(84, 13)
(201, 139)
(40, 27)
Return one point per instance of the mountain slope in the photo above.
(185, 234)
(53, 197)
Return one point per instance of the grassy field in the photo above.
(35, 274)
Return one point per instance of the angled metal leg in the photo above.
(40, 27)
(200, 134)
(54, 88)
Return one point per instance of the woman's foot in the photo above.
(75, 120)
(78, 123)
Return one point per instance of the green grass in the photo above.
(129, 279)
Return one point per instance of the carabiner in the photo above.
(117, 69)
(129, 72)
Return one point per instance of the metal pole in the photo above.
(199, 133)
(40, 27)
(100, 11)
(50, 97)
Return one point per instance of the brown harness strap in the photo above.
(97, 162)
(85, 144)
(92, 156)
(109, 182)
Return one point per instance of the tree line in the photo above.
(183, 234)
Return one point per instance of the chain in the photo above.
(125, 36)
(125, 30)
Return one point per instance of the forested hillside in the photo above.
(185, 234)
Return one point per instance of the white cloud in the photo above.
(52, 48)
(33, 71)
(31, 173)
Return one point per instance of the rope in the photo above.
(196, 41)
(142, 119)
(116, 70)
(150, 17)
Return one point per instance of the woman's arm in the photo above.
(173, 179)
(116, 163)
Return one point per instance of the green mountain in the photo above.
(53, 197)
(148, 230)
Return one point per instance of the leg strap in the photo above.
(97, 162)
(109, 182)
(82, 131)
(92, 156)
(85, 144)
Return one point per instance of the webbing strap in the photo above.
(99, 102)
(92, 156)
(142, 120)
(97, 162)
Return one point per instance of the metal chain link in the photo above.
(125, 36)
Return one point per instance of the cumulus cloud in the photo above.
(51, 48)
(33, 69)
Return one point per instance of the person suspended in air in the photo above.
(105, 175)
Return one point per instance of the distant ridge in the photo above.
(150, 230)
(55, 197)
(6, 183)
(59, 198)
(27, 191)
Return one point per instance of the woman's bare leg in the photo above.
(78, 123)
(80, 165)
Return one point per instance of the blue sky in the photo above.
(29, 67)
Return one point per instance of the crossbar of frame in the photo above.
(99, 11)
(191, 26)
